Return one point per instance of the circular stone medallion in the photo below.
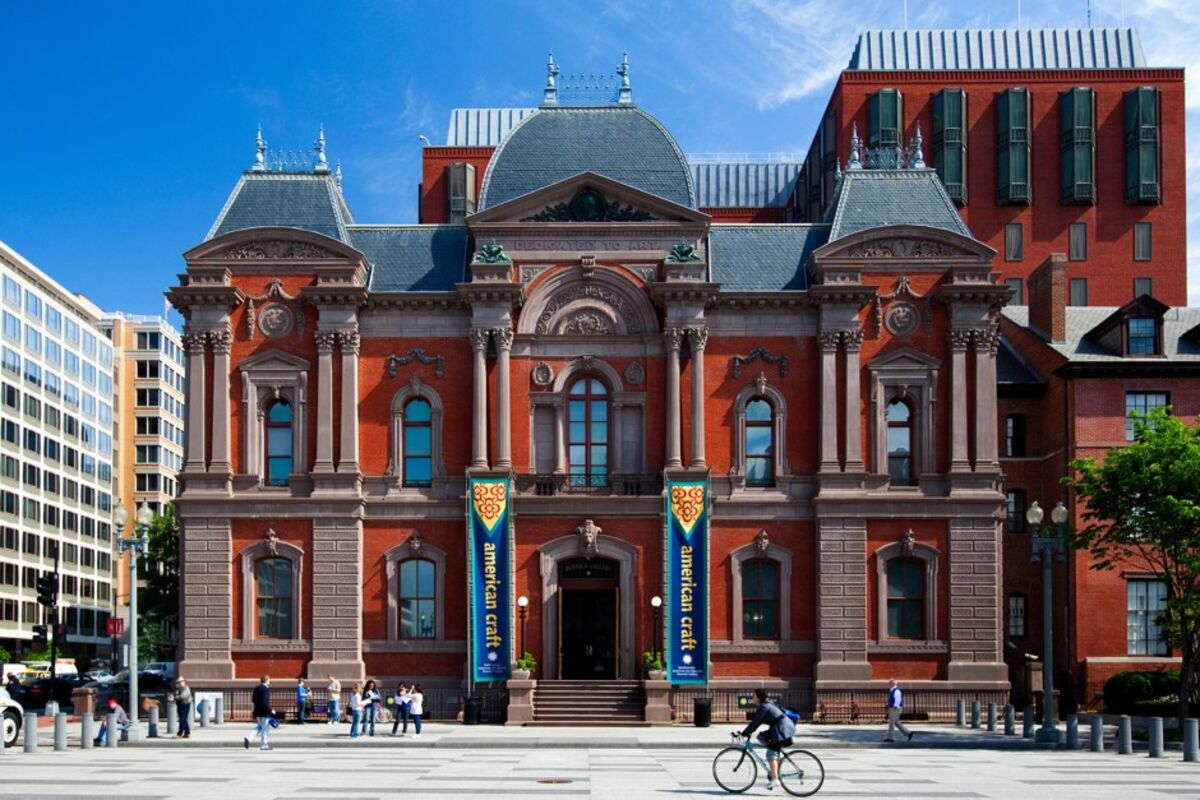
(902, 319)
(542, 374)
(635, 373)
(587, 206)
(275, 320)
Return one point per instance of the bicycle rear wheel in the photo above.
(801, 773)
(734, 769)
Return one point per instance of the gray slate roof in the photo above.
(306, 200)
(975, 49)
(763, 258)
(1081, 320)
(482, 127)
(744, 184)
(874, 198)
(622, 143)
(413, 258)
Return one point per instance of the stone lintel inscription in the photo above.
(591, 245)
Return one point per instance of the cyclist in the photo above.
(778, 734)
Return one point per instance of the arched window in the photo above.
(418, 599)
(906, 598)
(760, 598)
(274, 611)
(760, 443)
(899, 443)
(278, 442)
(587, 421)
(418, 443)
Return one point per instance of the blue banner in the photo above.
(488, 530)
(687, 581)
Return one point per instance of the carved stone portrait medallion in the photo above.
(275, 320)
(902, 319)
(635, 373)
(542, 374)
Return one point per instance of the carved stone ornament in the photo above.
(589, 538)
(589, 206)
(492, 253)
(348, 341)
(901, 291)
(276, 250)
(416, 354)
(902, 319)
(594, 292)
(960, 338)
(542, 374)
(760, 383)
(682, 253)
(529, 273)
(274, 292)
(414, 544)
(272, 540)
(762, 542)
(987, 340)
(852, 340)
(275, 320)
(195, 341)
(635, 373)
(325, 341)
(828, 341)
(756, 354)
(908, 542)
(222, 341)
(587, 323)
(698, 337)
(903, 248)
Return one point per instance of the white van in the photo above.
(11, 715)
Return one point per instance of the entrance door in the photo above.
(588, 617)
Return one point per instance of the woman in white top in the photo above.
(370, 706)
(416, 707)
(355, 710)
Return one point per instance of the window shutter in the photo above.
(1141, 146)
(460, 199)
(950, 142)
(885, 112)
(1012, 147)
(1077, 146)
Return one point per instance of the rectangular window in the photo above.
(1142, 249)
(1079, 292)
(1014, 436)
(950, 142)
(460, 199)
(12, 326)
(1141, 146)
(33, 305)
(1142, 336)
(1077, 146)
(1014, 241)
(1012, 147)
(1018, 288)
(1138, 404)
(12, 291)
(885, 113)
(1015, 522)
(1145, 601)
(1143, 286)
(1077, 241)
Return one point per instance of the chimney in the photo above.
(1048, 298)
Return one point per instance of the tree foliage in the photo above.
(158, 597)
(1143, 514)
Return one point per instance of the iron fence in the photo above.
(441, 705)
(831, 706)
(603, 485)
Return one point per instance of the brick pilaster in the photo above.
(206, 613)
(337, 599)
(976, 606)
(841, 601)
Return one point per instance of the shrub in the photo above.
(1125, 689)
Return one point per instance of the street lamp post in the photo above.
(656, 604)
(1047, 550)
(133, 545)
(522, 606)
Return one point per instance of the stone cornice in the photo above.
(684, 291)
(485, 292)
(188, 296)
(752, 301)
(335, 294)
(415, 301)
(853, 293)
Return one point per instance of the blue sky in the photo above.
(129, 123)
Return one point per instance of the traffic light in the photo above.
(60, 633)
(39, 634)
(47, 588)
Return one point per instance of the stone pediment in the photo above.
(907, 243)
(587, 198)
(272, 245)
(273, 360)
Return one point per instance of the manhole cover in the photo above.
(554, 780)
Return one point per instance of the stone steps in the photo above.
(578, 702)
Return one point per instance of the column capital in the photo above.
(986, 339)
(852, 340)
(479, 338)
(828, 341)
(504, 338)
(673, 337)
(221, 340)
(325, 341)
(960, 339)
(349, 342)
(698, 337)
(195, 341)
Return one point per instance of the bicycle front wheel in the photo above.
(801, 773)
(734, 769)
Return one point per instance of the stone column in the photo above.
(698, 337)
(504, 340)
(222, 343)
(959, 339)
(560, 432)
(828, 343)
(987, 341)
(324, 452)
(205, 607)
(673, 337)
(479, 340)
(615, 423)
(853, 410)
(841, 601)
(336, 566)
(194, 342)
(348, 458)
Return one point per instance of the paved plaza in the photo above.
(452, 761)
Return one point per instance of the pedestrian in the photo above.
(263, 713)
(370, 700)
(183, 705)
(122, 722)
(416, 707)
(334, 688)
(13, 685)
(895, 706)
(301, 701)
(400, 699)
(355, 710)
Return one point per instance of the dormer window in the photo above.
(1142, 336)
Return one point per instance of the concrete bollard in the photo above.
(1010, 720)
(991, 717)
(219, 710)
(1027, 723)
(60, 732)
(974, 713)
(1156, 737)
(111, 734)
(1097, 734)
(202, 710)
(172, 719)
(1191, 739)
(86, 732)
(152, 728)
(1125, 735)
(960, 712)
(1072, 731)
(30, 726)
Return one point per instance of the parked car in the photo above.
(35, 694)
(163, 669)
(99, 676)
(149, 686)
(11, 714)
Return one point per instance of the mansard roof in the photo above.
(1179, 342)
(412, 258)
(763, 258)
(311, 201)
(985, 49)
(878, 198)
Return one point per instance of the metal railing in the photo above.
(602, 485)
(441, 705)
(831, 706)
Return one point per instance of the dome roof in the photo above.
(622, 143)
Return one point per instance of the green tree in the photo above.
(158, 596)
(1143, 513)
(5, 656)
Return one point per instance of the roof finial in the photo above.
(550, 96)
(917, 159)
(625, 93)
(260, 150)
(319, 146)
(337, 173)
(855, 148)
(837, 174)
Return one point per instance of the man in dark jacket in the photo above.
(263, 713)
(778, 734)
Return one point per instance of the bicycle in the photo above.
(735, 769)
